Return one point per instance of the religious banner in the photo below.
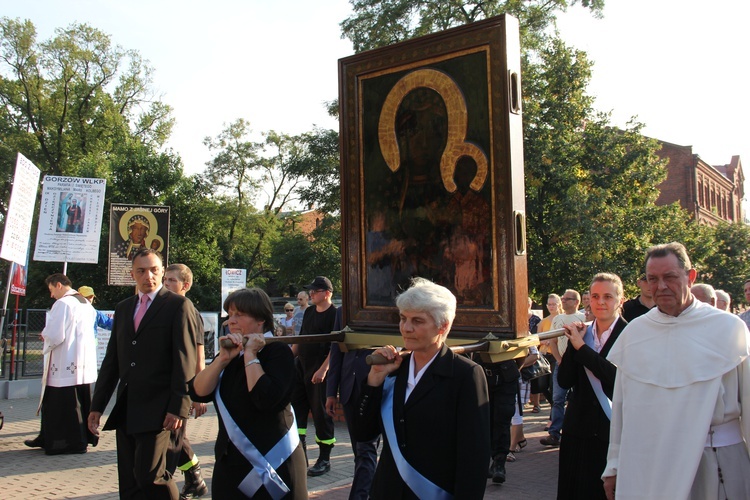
(18, 278)
(231, 280)
(20, 211)
(131, 228)
(70, 219)
(432, 177)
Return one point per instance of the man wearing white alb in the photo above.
(70, 369)
(681, 392)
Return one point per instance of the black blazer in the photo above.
(152, 365)
(443, 429)
(584, 416)
(346, 371)
(264, 415)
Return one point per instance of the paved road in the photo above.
(29, 474)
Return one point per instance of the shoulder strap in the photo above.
(420, 485)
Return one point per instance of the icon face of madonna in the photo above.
(138, 233)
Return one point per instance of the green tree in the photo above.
(231, 171)
(318, 163)
(377, 23)
(727, 265)
(590, 187)
(76, 95)
(279, 170)
(79, 105)
(298, 257)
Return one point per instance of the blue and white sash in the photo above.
(596, 384)
(264, 467)
(420, 485)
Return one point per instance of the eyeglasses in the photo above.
(316, 291)
(289, 310)
(569, 298)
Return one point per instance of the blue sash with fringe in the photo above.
(420, 485)
(596, 384)
(264, 467)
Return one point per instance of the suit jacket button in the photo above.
(132, 364)
(134, 342)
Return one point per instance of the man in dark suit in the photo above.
(152, 354)
(346, 373)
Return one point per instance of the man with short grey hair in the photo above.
(723, 300)
(703, 383)
(705, 293)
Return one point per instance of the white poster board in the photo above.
(102, 339)
(70, 219)
(211, 334)
(231, 280)
(20, 212)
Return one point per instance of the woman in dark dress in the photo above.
(251, 389)
(585, 369)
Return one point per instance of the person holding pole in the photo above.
(590, 378)
(258, 451)
(431, 405)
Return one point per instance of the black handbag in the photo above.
(540, 368)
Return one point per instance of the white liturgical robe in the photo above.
(677, 379)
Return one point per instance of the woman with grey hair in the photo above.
(430, 404)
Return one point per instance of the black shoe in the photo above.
(195, 486)
(550, 440)
(320, 468)
(34, 443)
(498, 472)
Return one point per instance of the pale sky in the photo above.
(680, 66)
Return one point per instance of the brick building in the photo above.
(709, 193)
(306, 221)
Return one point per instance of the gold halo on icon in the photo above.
(125, 220)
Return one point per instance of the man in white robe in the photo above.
(70, 369)
(682, 388)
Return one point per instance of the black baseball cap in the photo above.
(320, 283)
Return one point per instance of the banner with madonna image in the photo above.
(132, 228)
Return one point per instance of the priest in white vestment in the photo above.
(681, 391)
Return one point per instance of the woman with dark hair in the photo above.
(586, 370)
(257, 450)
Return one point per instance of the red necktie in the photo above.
(141, 311)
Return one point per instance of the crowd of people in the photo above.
(647, 396)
